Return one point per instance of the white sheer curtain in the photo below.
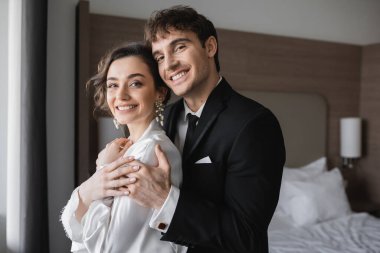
(14, 104)
(27, 216)
(3, 119)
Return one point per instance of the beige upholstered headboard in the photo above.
(303, 119)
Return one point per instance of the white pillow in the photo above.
(315, 200)
(305, 172)
(291, 174)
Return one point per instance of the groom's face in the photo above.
(183, 62)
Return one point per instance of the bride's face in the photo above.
(131, 92)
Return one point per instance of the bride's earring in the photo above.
(117, 124)
(159, 106)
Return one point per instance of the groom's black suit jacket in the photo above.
(226, 205)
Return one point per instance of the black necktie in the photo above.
(192, 123)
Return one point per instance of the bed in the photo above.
(314, 215)
(313, 212)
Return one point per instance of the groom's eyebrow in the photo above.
(179, 40)
(172, 43)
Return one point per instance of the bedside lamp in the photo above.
(350, 140)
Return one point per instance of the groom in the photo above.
(232, 147)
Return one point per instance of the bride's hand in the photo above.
(106, 182)
(113, 150)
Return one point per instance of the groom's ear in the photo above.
(211, 46)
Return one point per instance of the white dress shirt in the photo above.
(182, 125)
(125, 226)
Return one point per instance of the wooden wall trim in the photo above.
(85, 126)
(107, 32)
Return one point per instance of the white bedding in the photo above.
(354, 233)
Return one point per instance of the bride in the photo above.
(100, 217)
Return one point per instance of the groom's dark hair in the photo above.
(181, 18)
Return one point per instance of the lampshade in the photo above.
(350, 137)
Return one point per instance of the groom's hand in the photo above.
(152, 184)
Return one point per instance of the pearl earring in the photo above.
(116, 123)
(159, 112)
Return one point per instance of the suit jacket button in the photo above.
(162, 226)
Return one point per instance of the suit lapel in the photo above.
(214, 105)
